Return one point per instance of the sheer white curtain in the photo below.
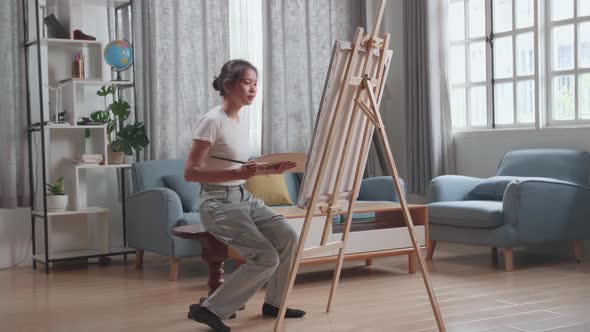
(13, 124)
(245, 42)
(180, 46)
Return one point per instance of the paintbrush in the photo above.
(227, 159)
(262, 166)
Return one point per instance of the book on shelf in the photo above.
(95, 159)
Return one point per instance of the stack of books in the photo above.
(89, 159)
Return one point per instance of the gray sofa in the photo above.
(537, 195)
(162, 200)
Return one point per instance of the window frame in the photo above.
(491, 82)
(551, 74)
(468, 84)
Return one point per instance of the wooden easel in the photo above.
(370, 88)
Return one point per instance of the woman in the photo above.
(229, 212)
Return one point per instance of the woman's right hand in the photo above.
(247, 170)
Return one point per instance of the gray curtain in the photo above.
(13, 122)
(376, 160)
(442, 149)
(429, 145)
(180, 46)
(298, 40)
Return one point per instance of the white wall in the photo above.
(15, 232)
(478, 153)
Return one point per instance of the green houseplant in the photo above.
(57, 200)
(123, 138)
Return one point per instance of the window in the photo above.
(493, 63)
(245, 42)
(568, 65)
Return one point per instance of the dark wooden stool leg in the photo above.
(214, 253)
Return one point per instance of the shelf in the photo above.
(70, 42)
(91, 253)
(94, 82)
(117, 3)
(90, 210)
(69, 126)
(86, 166)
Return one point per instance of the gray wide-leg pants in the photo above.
(258, 234)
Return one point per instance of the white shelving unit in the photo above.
(61, 225)
(80, 99)
(82, 231)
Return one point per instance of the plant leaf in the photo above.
(103, 92)
(100, 117)
(121, 109)
(56, 189)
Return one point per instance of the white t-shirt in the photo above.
(229, 139)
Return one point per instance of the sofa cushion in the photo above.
(293, 182)
(491, 189)
(476, 214)
(272, 189)
(149, 174)
(187, 191)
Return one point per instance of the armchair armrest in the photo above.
(446, 188)
(547, 210)
(151, 215)
(380, 188)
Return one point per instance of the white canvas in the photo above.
(334, 80)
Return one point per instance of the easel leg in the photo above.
(336, 277)
(412, 263)
(409, 223)
(293, 272)
(367, 134)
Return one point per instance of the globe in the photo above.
(119, 54)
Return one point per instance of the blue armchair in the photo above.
(162, 200)
(537, 195)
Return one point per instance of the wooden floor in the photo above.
(543, 294)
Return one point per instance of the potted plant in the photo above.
(57, 200)
(123, 138)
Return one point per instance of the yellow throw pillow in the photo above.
(272, 189)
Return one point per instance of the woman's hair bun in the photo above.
(216, 83)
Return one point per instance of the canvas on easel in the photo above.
(347, 118)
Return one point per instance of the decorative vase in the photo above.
(115, 158)
(57, 203)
